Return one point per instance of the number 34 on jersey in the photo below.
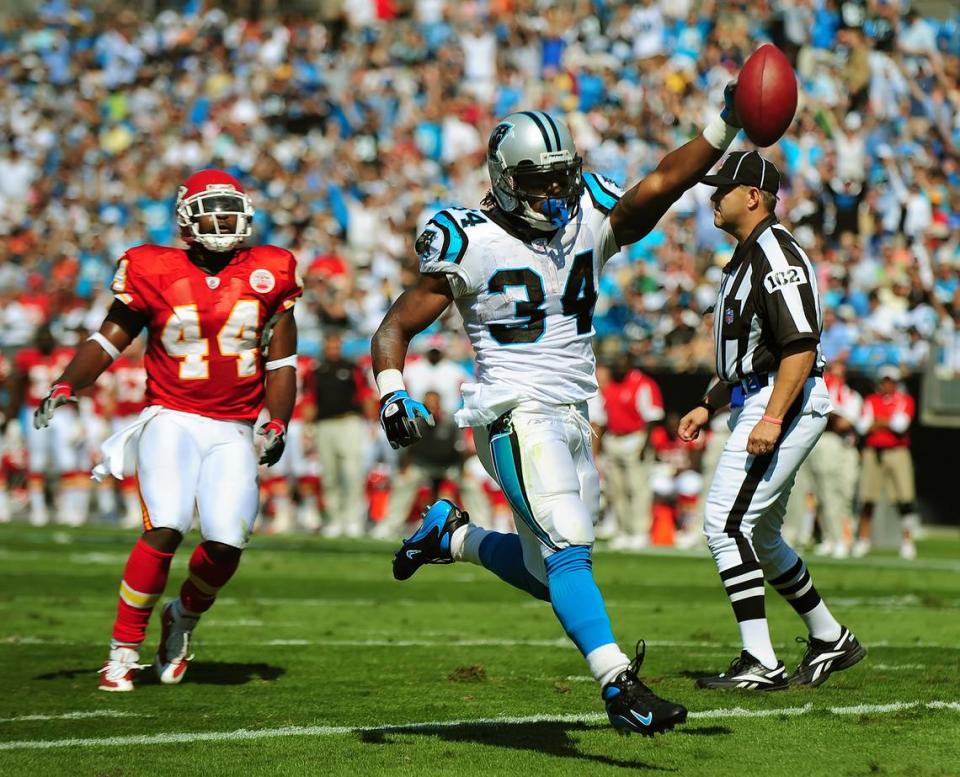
(527, 306)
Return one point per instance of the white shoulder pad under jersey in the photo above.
(451, 244)
(600, 195)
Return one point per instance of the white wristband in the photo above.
(286, 361)
(719, 134)
(389, 381)
(104, 343)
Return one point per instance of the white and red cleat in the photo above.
(119, 670)
(173, 654)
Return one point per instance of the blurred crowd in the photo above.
(350, 126)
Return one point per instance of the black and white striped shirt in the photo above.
(768, 298)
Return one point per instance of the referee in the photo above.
(767, 323)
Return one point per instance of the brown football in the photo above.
(766, 96)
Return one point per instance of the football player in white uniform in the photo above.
(523, 273)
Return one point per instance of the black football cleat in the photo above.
(633, 708)
(822, 658)
(430, 543)
(748, 674)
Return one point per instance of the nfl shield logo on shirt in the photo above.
(728, 315)
(212, 281)
(262, 281)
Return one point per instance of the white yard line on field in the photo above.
(80, 715)
(441, 725)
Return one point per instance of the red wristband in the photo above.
(61, 390)
(771, 420)
(274, 425)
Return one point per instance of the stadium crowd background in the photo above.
(350, 126)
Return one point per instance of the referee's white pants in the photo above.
(748, 494)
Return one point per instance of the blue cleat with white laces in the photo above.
(430, 543)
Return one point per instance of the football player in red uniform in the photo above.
(60, 450)
(211, 310)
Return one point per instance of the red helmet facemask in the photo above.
(214, 193)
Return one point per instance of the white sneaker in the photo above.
(332, 531)
(354, 532)
(119, 670)
(639, 542)
(621, 542)
(840, 551)
(908, 551)
(860, 548)
(309, 517)
(173, 654)
(686, 540)
(824, 549)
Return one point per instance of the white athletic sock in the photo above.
(465, 543)
(755, 635)
(821, 623)
(606, 662)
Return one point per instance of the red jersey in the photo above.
(203, 354)
(41, 370)
(129, 386)
(896, 410)
(632, 403)
(305, 393)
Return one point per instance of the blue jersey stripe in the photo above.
(455, 243)
(602, 197)
(507, 467)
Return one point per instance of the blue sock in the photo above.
(502, 554)
(577, 600)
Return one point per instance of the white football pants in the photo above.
(184, 460)
(541, 456)
(60, 446)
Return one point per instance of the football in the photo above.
(766, 96)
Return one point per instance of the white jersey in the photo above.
(527, 307)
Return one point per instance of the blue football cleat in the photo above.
(430, 543)
(633, 708)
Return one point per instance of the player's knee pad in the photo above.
(568, 518)
(906, 508)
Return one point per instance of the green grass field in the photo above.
(315, 661)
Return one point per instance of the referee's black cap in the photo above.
(746, 168)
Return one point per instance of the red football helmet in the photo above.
(212, 192)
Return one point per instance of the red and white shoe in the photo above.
(119, 670)
(173, 654)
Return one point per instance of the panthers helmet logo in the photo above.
(496, 138)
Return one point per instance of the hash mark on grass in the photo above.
(439, 725)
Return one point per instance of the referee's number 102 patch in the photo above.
(778, 279)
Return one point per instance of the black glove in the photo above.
(275, 432)
(399, 416)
